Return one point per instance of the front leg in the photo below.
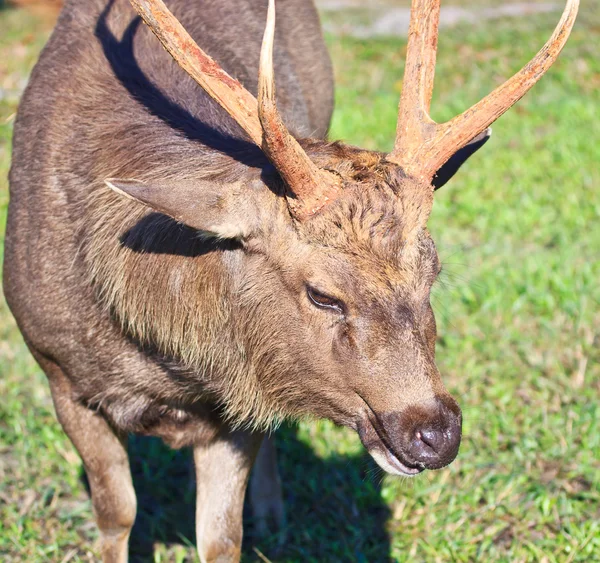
(222, 470)
(104, 455)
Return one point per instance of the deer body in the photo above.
(233, 275)
(105, 98)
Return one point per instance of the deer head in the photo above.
(337, 271)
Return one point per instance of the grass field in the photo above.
(518, 309)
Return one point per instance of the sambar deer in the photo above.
(192, 264)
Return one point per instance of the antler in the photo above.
(311, 186)
(422, 145)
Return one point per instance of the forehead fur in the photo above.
(382, 211)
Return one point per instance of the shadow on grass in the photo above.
(164, 485)
(334, 507)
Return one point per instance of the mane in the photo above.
(165, 284)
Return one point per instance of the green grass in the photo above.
(519, 324)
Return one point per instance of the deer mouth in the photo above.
(375, 442)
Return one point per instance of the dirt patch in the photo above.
(46, 8)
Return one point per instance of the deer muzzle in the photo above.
(418, 437)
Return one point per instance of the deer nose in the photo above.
(434, 441)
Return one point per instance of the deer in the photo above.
(189, 257)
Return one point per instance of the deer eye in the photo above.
(323, 301)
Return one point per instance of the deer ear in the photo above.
(220, 209)
(459, 157)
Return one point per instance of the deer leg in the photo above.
(266, 499)
(222, 471)
(104, 457)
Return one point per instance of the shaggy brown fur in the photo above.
(375, 224)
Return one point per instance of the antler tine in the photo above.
(423, 155)
(460, 130)
(312, 186)
(415, 126)
(228, 92)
